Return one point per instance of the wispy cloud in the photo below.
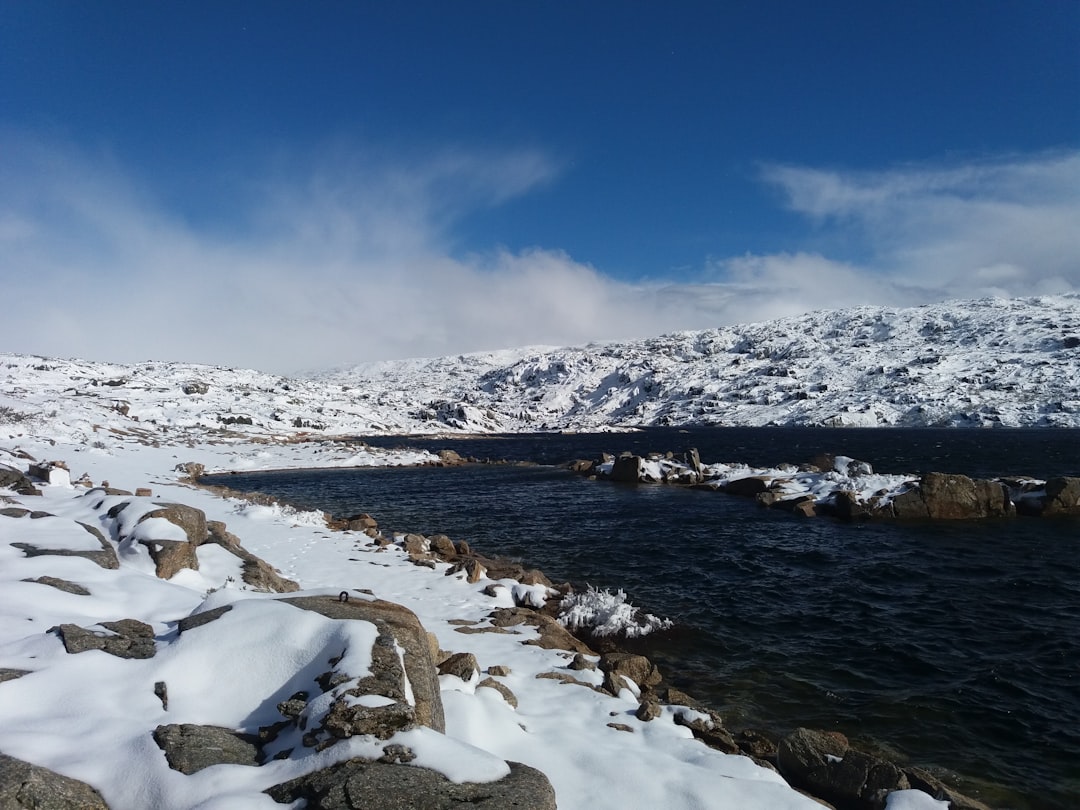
(354, 257)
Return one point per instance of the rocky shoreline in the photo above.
(821, 764)
(841, 487)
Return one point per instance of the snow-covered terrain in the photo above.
(89, 716)
(991, 362)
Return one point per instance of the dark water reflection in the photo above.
(954, 644)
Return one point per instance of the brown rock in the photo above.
(501, 688)
(188, 518)
(637, 668)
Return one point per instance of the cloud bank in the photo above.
(355, 258)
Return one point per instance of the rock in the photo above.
(442, 545)
(579, 663)
(747, 487)
(803, 757)
(61, 584)
(450, 458)
(54, 473)
(498, 670)
(382, 722)
(1062, 497)
(416, 545)
(361, 522)
(693, 461)
(928, 783)
(106, 557)
(708, 727)
(170, 556)
(195, 387)
(553, 636)
(940, 496)
(628, 469)
(191, 469)
(188, 518)
(648, 709)
(199, 619)
(637, 668)
(582, 466)
(362, 785)
(400, 624)
(824, 764)
(12, 674)
(756, 745)
(11, 478)
(262, 576)
(129, 638)
(501, 688)
(463, 665)
(217, 533)
(23, 785)
(190, 748)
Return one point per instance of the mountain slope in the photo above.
(1010, 362)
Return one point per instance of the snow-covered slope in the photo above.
(1008, 362)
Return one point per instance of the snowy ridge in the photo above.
(990, 362)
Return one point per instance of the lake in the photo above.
(954, 645)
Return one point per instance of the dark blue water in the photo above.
(954, 645)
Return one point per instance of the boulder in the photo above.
(188, 518)
(11, 478)
(170, 556)
(395, 624)
(127, 638)
(501, 688)
(749, 487)
(628, 469)
(940, 496)
(824, 764)
(361, 784)
(637, 668)
(928, 783)
(23, 785)
(552, 635)
(190, 748)
(463, 665)
(1062, 497)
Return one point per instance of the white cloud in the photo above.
(354, 259)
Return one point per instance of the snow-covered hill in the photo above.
(1009, 362)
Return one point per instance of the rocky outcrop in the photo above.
(31, 787)
(105, 557)
(61, 585)
(1059, 496)
(362, 784)
(13, 479)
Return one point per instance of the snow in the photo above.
(607, 614)
(91, 715)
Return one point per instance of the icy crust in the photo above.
(991, 362)
(605, 614)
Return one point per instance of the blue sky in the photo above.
(314, 184)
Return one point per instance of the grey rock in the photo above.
(1062, 497)
(61, 584)
(628, 469)
(129, 639)
(23, 785)
(190, 748)
(7, 674)
(364, 785)
(940, 496)
(11, 478)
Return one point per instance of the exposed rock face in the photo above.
(939, 496)
(32, 787)
(396, 624)
(361, 785)
(188, 518)
(189, 748)
(127, 638)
